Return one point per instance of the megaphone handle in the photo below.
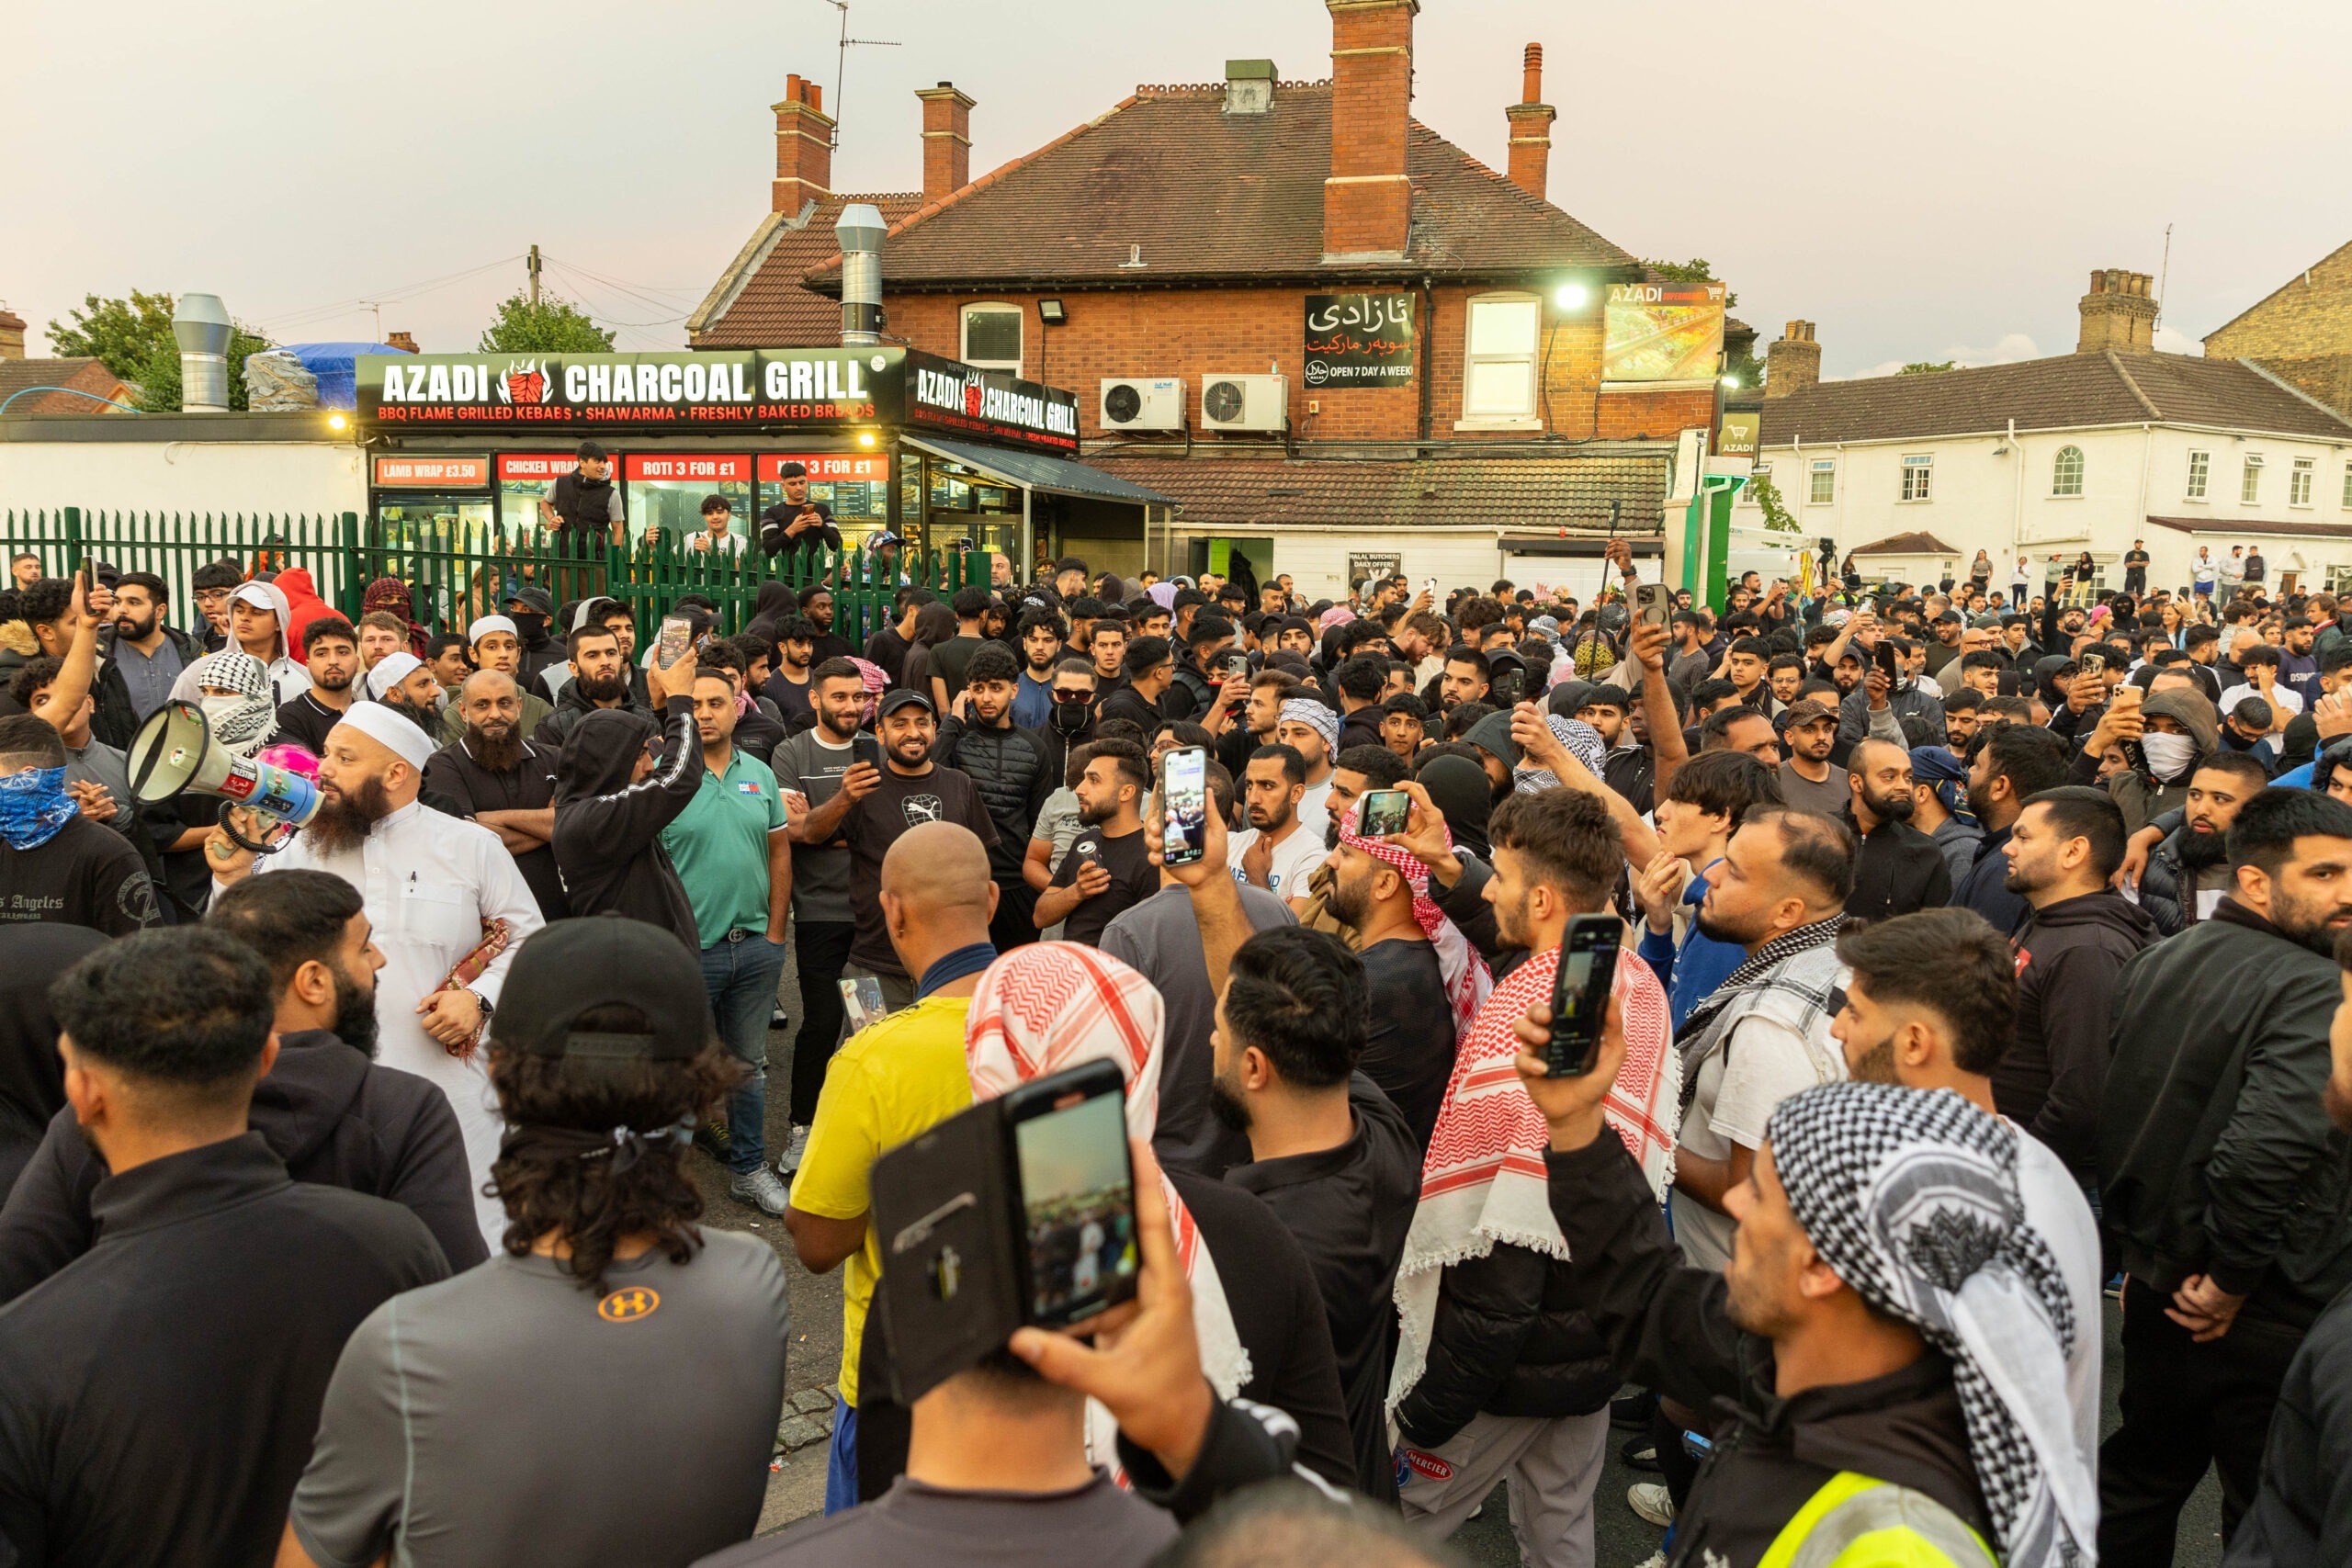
(228, 826)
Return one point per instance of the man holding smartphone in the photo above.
(1108, 870)
(1276, 854)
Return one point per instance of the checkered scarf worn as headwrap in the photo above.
(1316, 716)
(1052, 1005)
(1484, 1180)
(241, 723)
(1583, 742)
(1467, 978)
(1912, 1198)
(876, 681)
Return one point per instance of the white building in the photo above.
(2050, 457)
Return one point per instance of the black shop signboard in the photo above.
(1359, 340)
(780, 390)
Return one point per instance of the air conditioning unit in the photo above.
(1132, 404)
(1245, 402)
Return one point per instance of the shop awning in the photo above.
(1034, 471)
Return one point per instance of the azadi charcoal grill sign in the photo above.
(684, 393)
(1359, 340)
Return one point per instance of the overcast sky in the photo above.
(1924, 182)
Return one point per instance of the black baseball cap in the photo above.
(576, 966)
(904, 696)
(535, 598)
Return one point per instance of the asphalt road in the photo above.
(1621, 1539)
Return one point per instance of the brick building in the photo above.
(19, 376)
(1161, 260)
(2302, 330)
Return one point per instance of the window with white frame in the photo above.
(1824, 482)
(1918, 472)
(1498, 382)
(2250, 479)
(2347, 498)
(2200, 470)
(2299, 481)
(2066, 471)
(992, 337)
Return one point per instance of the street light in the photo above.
(1732, 381)
(1572, 296)
(1051, 313)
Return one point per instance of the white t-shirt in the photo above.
(1762, 1064)
(1294, 859)
(2282, 699)
(726, 544)
(2054, 1205)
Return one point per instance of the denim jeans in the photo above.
(740, 979)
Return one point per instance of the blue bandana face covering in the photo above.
(33, 806)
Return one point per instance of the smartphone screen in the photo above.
(1184, 788)
(1078, 1205)
(1385, 812)
(670, 643)
(1580, 994)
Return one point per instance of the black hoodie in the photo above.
(608, 830)
(2069, 954)
(335, 1117)
(571, 706)
(32, 1080)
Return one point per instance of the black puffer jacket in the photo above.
(1014, 770)
(2168, 888)
(1510, 1339)
(113, 719)
(571, 706)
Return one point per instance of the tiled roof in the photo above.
(758, 302)
(2240, 527)
(1209, 196)
(1914, 544)
(1519, 493)
(2069, 391)
(83, 375)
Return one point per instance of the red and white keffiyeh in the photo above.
(1053, 1005)
(1467, 978)
(1484, 1180)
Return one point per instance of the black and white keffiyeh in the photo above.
(1796, 977)
(1912, 1198)
(1583, 743)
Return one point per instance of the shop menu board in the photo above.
(432, 471)
(1359, 340)
(688, 393)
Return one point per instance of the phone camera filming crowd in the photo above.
(1737, 1069)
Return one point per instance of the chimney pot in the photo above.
(2119, 312)
(1792, 363)
(946, 141)
(1368, 197)
(404, 342)
(804, 147)
(1530, 122)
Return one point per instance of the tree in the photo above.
(551, 326)
(1695, 270)
(133, 339)
(1928, 366)
(1747, 368)
(1767, 495)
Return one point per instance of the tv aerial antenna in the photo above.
(841, 63)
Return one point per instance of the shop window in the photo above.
(992, 337)
(2299, 481)
(2066, 471)
(1824, 482)
(1499, 383)
(666, 490)
(1919, 477)
(2250, 479)
(2347, 498)
(2200, 468)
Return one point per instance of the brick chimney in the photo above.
(12, 334)
(1368, 199)
(804, 147)
(1793, 362)
(2119, 312)
(946, 141)
(1530, 129)
(404, 342)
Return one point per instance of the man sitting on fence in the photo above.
(494, 643)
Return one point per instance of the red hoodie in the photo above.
(303, 605)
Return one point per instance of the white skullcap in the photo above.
(399, 735)
(489, 623)
(391, 671)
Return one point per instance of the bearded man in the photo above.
(492, 775)
(444, 897)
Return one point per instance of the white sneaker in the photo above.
(760, 1188)
(1652, 1501)
(788, 1162)
(1654, 1560)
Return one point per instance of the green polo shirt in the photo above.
(719, 844)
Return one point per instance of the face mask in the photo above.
(527, 624)
(239, 724)
(1070, 717)
(33, 808)
(2168, 755)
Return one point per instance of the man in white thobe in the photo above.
(431, 884)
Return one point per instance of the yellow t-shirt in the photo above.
(901, 1076)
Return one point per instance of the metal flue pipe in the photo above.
(860, 230)
(201, 324)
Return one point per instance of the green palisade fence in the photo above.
(457, 572)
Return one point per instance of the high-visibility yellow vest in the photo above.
(1856, 1522)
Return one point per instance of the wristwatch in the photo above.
(487, 1006)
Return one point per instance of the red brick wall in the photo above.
(1206, 332)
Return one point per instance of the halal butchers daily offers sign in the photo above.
(752, 389)
(1359, 340)
(946, 394)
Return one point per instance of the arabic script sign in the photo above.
(1359, 340)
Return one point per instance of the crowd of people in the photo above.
(1986, 973)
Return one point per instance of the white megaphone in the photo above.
(173, 752)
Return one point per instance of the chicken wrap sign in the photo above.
(637, 392)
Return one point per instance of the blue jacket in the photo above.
(1690, 972)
